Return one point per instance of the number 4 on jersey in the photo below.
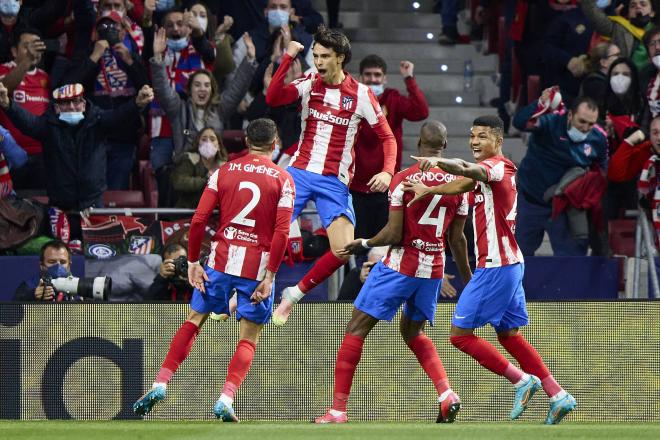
(438, 221)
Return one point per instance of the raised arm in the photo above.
(414, 106)
(29, 124)
(457, 167)
(279, 94)
(458, 186)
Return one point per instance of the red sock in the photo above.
(322, 269)
(530, 361)
(180, 346)
(487, 355)
(428, 358)
(239, 366)
(348, 357)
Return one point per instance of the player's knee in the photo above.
(460, 341)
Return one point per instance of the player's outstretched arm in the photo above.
(457, 167)
(458, 186)
(390, 234)
(279, 94)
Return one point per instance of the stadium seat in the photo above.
(123, 199)
(622, 237)
(148, 184)
(233, 140)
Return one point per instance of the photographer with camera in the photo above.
(171, 282)
(55, 281)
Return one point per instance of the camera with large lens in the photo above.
(181, 267)
(97, 288)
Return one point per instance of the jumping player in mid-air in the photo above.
(495, 293)
(410, 274)
(255, 199)
(333, 104)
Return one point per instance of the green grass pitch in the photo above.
(159, 430)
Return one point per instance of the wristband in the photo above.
(364, 243)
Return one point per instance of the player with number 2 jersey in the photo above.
(255, 200)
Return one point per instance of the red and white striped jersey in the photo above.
(421, 252)
(255, 199)
(494, 219)
(330, 117)
(649, 186)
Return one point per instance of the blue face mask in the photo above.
(164, 5)
(57, 271)
(278, 18)
(602, 4)
(576, 135)
(9, 8)
(177, 45)
(378, 89)
(72, 118)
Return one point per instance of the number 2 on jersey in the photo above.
(438, 221)
(241, 217)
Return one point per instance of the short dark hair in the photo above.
(54, 244)
(172, 248)
(577, 102)
(373, 61)
(493, 121)
(261, 133)
(646, 39)
(18, 33)
(433, 134)
(334, 40)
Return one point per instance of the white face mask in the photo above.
(620, 83)
(203, 22)
(656, 61)
(207, 149)
(378, 89)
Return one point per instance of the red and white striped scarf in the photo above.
(648, 186)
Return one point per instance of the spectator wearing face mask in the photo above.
(14, 16)
(54, 261)
(194, 167)
(72, 131)
(30, 88)
(112, 72)
(371, 208)
(224, 61)
(626, 32)
(273, 37)
(596, 83)
(558, 143)
(131, 32)
(182, 50)
(205, 105)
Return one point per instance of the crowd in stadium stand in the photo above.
(100, 97)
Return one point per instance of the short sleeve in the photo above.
(396, 196)
(494, 170)
(287, 195)
(369, 107)
(303, 85)
(213, 181)
(463, 206)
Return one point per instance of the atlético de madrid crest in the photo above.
(347, 102)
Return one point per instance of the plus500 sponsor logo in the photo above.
(328, 117)
(431, 176)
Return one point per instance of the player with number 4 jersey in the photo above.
(495, 293)
(409, 275)
(255, 199)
